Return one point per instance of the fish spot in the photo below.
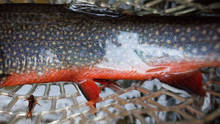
(64, 52)
(93, 62)
(157, 33)
(217, 46)
(35, 44)
(14, 53)
(20, 36)
(194, 50)
(218, 30)
(204, 49)
(68, 58)
(168, 42)
(43, 37)
(182, 39)
(145, 44)
(188, 30)
(14, 64)
(215, 37)
(14, 38)
(193, 38)
(97, 37)
(27, 48)
(204, 32)
(82, 34)
(17, 71)
(177, 30)
(9, 31)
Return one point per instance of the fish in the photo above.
(31, 104)
(49, 43)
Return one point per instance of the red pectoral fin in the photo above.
(188, 80)
(90, 90)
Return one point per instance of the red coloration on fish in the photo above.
(53, 44)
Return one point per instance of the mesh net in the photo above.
(148, 102)
(139, 7)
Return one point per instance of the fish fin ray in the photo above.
(191, 81)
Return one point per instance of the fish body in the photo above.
(48, 43)
(31, 104)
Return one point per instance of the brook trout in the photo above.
(48, 43)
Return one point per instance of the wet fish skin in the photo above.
(52, 37)
(44, 43)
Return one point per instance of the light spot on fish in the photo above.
(64, 52)
(43, 37)
(20, 36)
(177, 30)
(194, 50)
(204, 32)
(182, 39)
(70, 51)
(217, 46)
(168, 41)
(193, 38)
(97, 37)
(218, 30)
(82, 34)
(68, 58)
(188, 30)
(14, 53)
(181, 48)
(215, 37)
(204, 48)
(157, 33)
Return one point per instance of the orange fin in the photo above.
(91, 91)
(189, 80)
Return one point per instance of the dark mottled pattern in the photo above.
(39, 37)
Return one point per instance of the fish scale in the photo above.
(50, 44)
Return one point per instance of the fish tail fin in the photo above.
(189, 80)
